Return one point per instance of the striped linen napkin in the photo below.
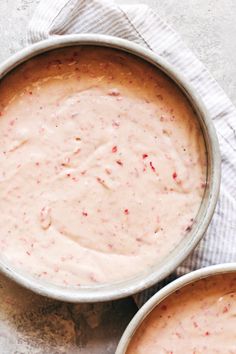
(140, 24)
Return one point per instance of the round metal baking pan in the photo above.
(149, 277)
(163, 294)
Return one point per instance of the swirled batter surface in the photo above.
(198, 319)
(103, 166)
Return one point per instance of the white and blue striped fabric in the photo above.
(140, 24)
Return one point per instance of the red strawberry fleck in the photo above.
(145, 156)
(77, 151)
(152, 167)
(225, 309)
(108, 171)
(84, 213)
(119, 162)
(114, 149)
(113, 92)
(115, 124)
(174, 175)
(126, 211)
(100, 180)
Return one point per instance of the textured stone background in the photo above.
(30, 324)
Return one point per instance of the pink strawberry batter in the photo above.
(103, 166)
(199, 319)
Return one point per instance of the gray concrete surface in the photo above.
(30, 324)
